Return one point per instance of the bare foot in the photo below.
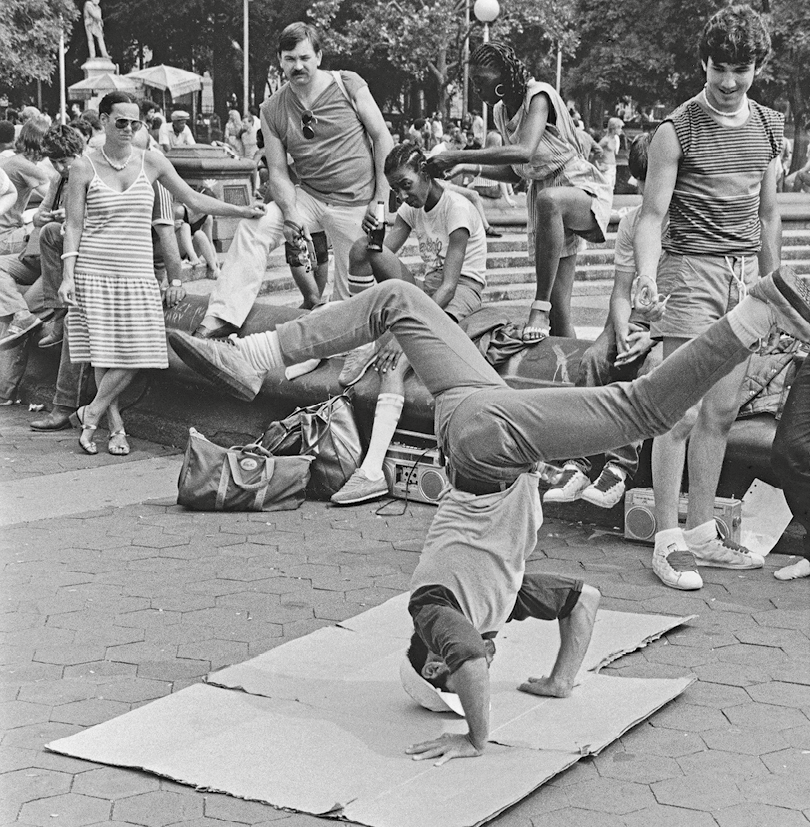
(546, 687)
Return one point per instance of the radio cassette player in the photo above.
(413, 468)
(639, 515)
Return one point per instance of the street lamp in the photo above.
(486, 12)
(245, 57)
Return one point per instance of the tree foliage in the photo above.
(29, 38)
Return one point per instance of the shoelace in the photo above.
(604, 484)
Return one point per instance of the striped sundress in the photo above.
(117, 321)
(558, 161)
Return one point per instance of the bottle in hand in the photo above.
(377, 235)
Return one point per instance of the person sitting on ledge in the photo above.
(454, 248)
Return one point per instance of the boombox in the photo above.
(413, 467)
(639, 515)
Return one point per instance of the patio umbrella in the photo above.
(102, 84)
(168, 79)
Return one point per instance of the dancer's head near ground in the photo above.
(498, 74)
(733, 49)
(407, 174)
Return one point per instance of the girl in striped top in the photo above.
(712, 172)
(568, 197)
(115, 320)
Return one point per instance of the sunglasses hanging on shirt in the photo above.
(307, 121)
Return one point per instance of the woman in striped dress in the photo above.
(568, 197)
(115, 320)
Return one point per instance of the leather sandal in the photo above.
(117, 444)
(77, 420)
(535, 333)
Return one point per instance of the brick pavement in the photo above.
(108, 609)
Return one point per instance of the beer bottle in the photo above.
(376, 236)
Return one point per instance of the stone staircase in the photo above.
(511, 278)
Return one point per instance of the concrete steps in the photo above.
(510, 276)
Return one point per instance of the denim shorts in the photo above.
(466, 300)
(701, 290)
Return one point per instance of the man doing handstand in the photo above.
(493, 437)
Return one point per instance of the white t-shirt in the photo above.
(167, 135)
(433, 228)
(623, 250)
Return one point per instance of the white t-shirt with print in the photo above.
(433, 228)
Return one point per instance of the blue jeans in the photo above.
(488, 431)
(790, 455)
(596, 369)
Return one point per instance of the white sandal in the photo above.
(532, 334)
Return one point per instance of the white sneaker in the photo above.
(571, 485)
(676, 567)
(722, 553)
(608, 489)
(359, 488)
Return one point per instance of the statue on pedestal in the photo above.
(94, 28)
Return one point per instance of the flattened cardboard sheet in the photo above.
(323, 723)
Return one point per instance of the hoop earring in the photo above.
(499, 86)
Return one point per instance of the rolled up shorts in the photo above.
(701, 290)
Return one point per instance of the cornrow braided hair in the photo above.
(504, 60)
(406, 154)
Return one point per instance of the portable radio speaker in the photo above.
(639, 515)
(413, 468)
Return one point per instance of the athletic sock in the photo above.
(700, 534)
(262, 350)
(751, 320)
(357, 284)
(668, 537)
(386, 419)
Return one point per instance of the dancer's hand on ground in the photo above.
(445, 748)
(634, 345)
(388, 357)
(546, 687)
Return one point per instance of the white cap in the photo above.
(425, 694)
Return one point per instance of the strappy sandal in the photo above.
(77, 421)
(534, 333)
(117, 444)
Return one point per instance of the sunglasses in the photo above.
(123, 123)
(307, 119)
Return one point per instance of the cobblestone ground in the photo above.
(109, 609)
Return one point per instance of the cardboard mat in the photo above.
(320, 724)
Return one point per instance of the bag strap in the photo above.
(330, 404)
(349, 98)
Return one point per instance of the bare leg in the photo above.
(560, 315)
(556, 210)
(117, 444)
(668, 457)
(203, 248)
(185, 244)
(307, 283)
(575, 636)
(383, 266)
(707, 444)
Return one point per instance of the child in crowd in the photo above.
(623, 351)
(453, 246)
(712, 170)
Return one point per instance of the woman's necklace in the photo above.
(112, 163)
(743, 107)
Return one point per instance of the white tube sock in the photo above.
(386, 419)
(357, 284)
(262, 350)
(751, 320)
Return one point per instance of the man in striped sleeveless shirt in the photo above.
(712, 171)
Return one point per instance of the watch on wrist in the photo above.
(175, 283)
